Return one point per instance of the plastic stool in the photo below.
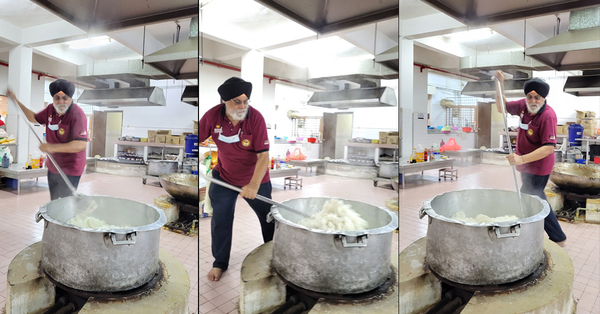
(448, 173)
(292, 182)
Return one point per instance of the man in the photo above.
(240, 133)
(536, 138)
(66, 136)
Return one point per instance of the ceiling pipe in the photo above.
(271, 78)
(40, 75)
(422, 66)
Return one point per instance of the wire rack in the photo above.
(306, 127)
(463, 113)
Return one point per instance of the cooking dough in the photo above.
(92, 223)
(481, 219)
(335, 216)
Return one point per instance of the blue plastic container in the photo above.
(11, 183)
(575, 131)
(191, 146)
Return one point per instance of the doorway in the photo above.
(337, 130)
(107, 127)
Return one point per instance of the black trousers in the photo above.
(58, 187)
(223, 202)
(534, 185)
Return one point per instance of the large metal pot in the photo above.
(388, 169)
(181, 186)
(489, 253)
(158, 167)
(101, 260)
(333, 262)
(578, 178)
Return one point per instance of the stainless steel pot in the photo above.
(158, 167)
(101, 260)
(333, 262)
(181, 186)
(578, 178)
(484, 254)
(388, 169)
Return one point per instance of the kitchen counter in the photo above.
(18, 173)
(405, 168)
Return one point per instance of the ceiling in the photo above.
(136, 28)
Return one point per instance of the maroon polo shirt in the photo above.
(236, 160)
(72, 126)
(541, 132)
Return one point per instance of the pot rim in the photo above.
(162, 219)
(390, 227)
(428, 210)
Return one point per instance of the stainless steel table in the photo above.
(307, 163)
(287, 172)
(405, 168)
(464, 153)
(18, 173)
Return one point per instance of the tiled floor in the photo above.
(18, 228)
(583, 243)
(222, 296)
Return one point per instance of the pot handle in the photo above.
(422, 213)
(129, 239)
(38, 217)
(358, 243)
(511, 234)
(270, 217)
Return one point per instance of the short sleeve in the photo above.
(79, 126)
(42, 116)
(204, 127)
(260, 135)
(548, 130)
(515, 107)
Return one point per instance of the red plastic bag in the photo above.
(296, 155)
(451, 145)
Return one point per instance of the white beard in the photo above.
(59, 110)
(238, 115)
(534, 111)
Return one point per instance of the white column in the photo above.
(252, 71)
(405, 94)
(19, 80)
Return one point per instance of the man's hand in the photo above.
(250, 190)
(10, 94)
(515, 159)
(47, 148)
(499, 76)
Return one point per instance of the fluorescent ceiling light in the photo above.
(473, 35)
(89, 42)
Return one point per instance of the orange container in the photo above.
(312, 139)
(467, 130)
(596, 160)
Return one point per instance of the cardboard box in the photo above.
(392, 140)
(152, 139)
(163, 132)
(382, 137)
(560, 129)
(151, 133)
(174, 140)
(580, 114)
(182, 137)
(161, 139)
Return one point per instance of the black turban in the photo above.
(539, 86)
(234, 87)
(64, 86)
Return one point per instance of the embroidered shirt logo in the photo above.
(266, 142)
(61, 131)
(530, 132)
(246, 143)
(552, 137)
(82, 133)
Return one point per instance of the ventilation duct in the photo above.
(355, 98)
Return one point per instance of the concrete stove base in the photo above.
(263, 290)
(30, 291)
(420, 290)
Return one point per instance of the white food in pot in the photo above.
(335, 216)
(92, 223)
(460, 216)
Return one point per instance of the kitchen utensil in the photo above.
(158, 167)
(105, 260)
(578, 178)
(181, 186)
(340, 262)
(488, 253)
(510, 151)
(259, 197)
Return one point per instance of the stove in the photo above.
(264, 291)
(549, 289)
(181, 217)
(30, 290)
(569, 202)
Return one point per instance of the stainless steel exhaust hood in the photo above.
(355, 98)
(487, 89)
(577, 49)
(587, 84)
(389, 58)
(123, 97)
(180, 60)
(190, 95)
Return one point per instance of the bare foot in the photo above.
(561, 243)
(214, 274)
